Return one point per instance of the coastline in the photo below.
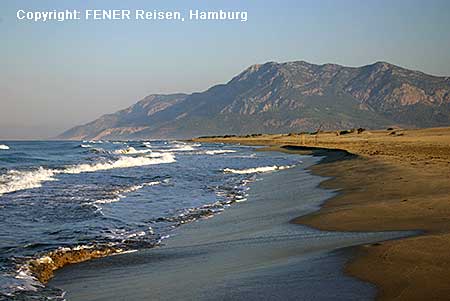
(396, 180)
(251, 248)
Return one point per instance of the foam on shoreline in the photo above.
(262, 169)
(219, 151)
(41, 269)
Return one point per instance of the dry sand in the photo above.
(400, 180)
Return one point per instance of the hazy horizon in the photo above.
(58, 75)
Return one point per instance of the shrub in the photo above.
(345, 132)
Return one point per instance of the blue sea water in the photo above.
(60, 195)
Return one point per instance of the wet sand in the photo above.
(399, 180)
(249, 251)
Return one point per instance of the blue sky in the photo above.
(56, 75)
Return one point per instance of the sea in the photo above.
(60, 197)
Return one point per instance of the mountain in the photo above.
(285, 97)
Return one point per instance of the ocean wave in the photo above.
(122, 162)
(240, 200)
(131, 151)
(250, 156)
(98, 150)
(180, 148)
(257, 169)
(85, 145)
(219, 151)
(108, 201)
(185, 143)
(127, 190)
(39, 270)
(4, 146)
(15, 180)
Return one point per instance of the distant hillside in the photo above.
(285, 97)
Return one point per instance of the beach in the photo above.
(93, 199)
(396, 180)
(227, 150)
(251, 250)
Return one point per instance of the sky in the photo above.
(56, 75)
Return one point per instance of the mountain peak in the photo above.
(253, 70)
(382, 63)
(257, 67)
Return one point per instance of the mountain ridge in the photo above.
(284, 97)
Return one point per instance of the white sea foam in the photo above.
(15, 180)
(4, 146)
(180, 148)
(108, 201)
(124, 252)
(239, 200)
(219, 151)
(257, 169)
(122, 162)
(154, 154)
(85, 145)
(132, 151)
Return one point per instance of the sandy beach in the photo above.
(225, 150)
(397, 180)
(251, 251)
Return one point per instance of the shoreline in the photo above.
(395, 180)
(242, 248)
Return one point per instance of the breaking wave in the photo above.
(94, 141)
(122, 162)
(257, 169)
(217, 152)
(180, 148)
(15, 180)
(4, 146)
(131, 151)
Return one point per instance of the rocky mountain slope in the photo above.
(285, 97)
